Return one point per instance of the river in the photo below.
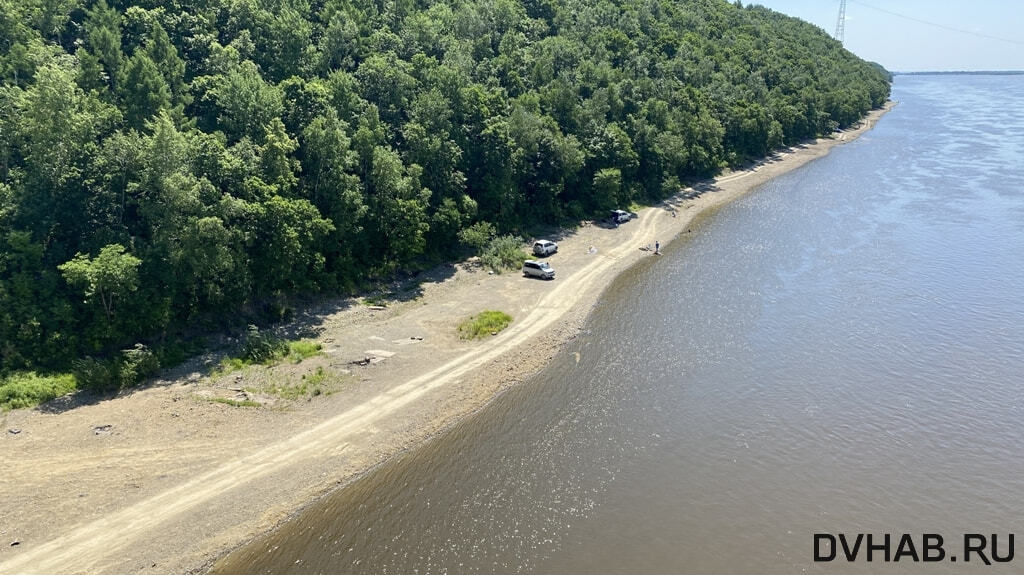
(841, 351)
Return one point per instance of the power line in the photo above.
(937, 25)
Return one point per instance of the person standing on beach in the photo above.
(657, 247)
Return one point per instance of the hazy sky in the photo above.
(916, 35)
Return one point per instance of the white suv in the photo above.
(620, 216)
(544, 248)
(538, 269)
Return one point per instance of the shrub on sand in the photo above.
(483, 324)
(504, 253)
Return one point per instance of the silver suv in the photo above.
(538, 269)
(620, 216)
(544, 248)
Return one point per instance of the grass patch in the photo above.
(300, 350)
(236, 402)
(19, 390)
(28, 389)
(229, 364)
(262, 349)
(309, 385)
(377, 299)
(483, 324)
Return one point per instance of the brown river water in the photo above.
(841, 351)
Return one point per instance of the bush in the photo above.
(262, 348)
(504, 253)
(129, 368)
(27, 389)
(176, 351)
(483, 324)
(96, 374)
(136, 364)
(477, 235)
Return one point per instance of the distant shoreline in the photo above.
(963, 73)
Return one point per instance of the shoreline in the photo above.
(164, 480)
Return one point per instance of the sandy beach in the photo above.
(169, 477)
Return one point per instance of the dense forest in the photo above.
(170, 163)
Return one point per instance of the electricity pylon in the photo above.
(841, 21)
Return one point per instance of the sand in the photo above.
(167, 478)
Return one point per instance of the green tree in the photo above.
(164, 54)
(607, 188)
(105, 278)
(103, 35)
(477, 235)
(339, 45)
(278, 165)
(144, 90)
(333, 187)
(286, 244)
(285, 40)
(210, 260)
(398, 208)
(247, 103)
(386, 81)
(56, 133)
